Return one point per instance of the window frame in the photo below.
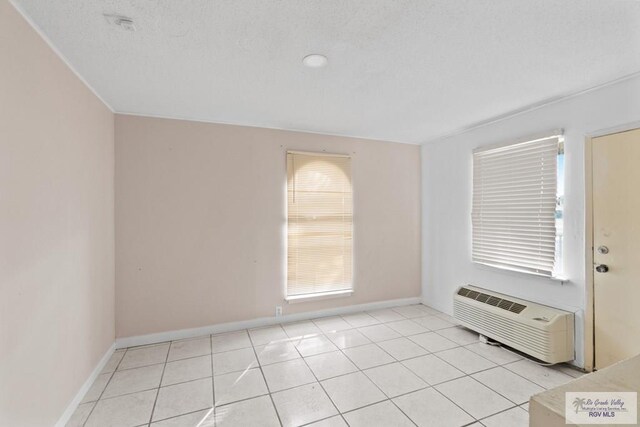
(558, 269)
(296, 298)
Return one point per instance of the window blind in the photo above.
(319, 223)
(514, 205)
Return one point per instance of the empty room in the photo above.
(323, 213)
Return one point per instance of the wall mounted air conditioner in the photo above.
(543, 332)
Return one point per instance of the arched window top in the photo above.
(316, 172)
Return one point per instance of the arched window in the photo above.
(319, 224)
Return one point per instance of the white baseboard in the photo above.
(259, 322)
(71, 408)
(430, 304)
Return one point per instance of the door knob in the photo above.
(602, 268)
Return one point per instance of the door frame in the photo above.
(589, 315)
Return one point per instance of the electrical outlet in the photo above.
(278, 310)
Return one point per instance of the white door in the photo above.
(616, 241)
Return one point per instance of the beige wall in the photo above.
(200, 217)
(56, 228)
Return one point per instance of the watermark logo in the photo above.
(601, 407)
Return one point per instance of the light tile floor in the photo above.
(405, 366)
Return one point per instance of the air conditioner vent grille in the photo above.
(463, 292)
(483, 298)
(504, 304)
(517, 308)
(493, 301)
(473, 294)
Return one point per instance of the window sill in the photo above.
(319, 296)
(561, 279)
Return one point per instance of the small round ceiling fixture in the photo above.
(315, 60)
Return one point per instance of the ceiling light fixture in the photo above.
(315, 60)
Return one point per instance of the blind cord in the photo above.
(293, 166)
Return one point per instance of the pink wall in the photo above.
(200, 217)
(56, 228)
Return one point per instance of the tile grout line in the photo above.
(401, 364)
(481, 370)
(328, 378)
(324, 419)
(390, 399)
(324, 333)
(397, 361)
(227, 351)
(168, 361)
(176, 416)
(366, 376)
(474, 379)
(496, 391)
(291, 388)
(503, 365)
(164, 367)
(166, 358)
(106, 385)
(455, 404)
(531, 381)
(255, 353)
(318, 381)
(500, 412)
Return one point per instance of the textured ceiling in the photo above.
(406, 71)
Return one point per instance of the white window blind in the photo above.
(514, 205)
(319, 224)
